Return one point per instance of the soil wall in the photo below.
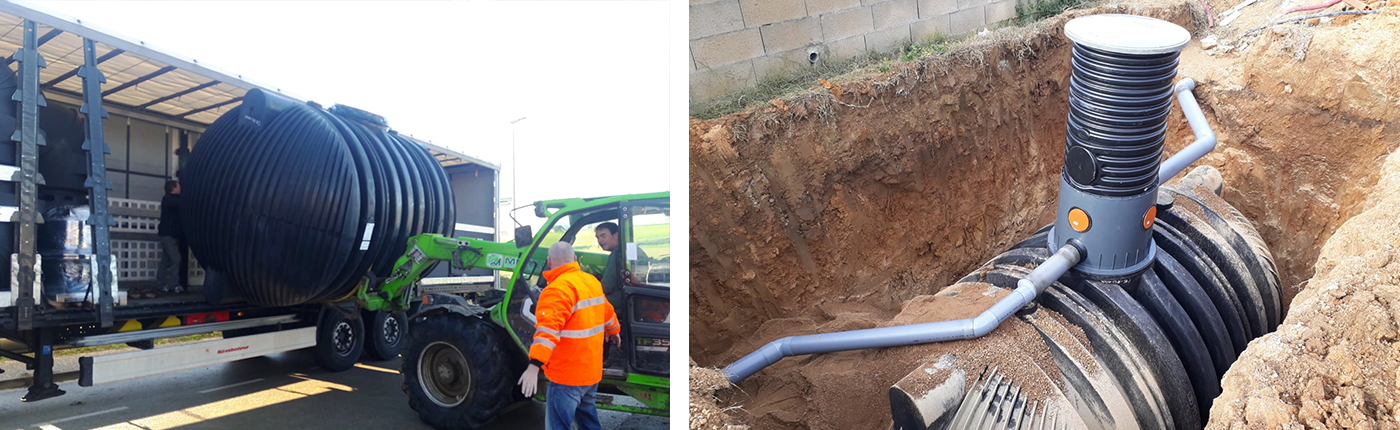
(1304, 118)
(1335, 360)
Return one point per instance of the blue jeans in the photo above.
(568, 403)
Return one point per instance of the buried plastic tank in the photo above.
(284, 202)
(1173, 284)
(1155, 344)
(1167, 284)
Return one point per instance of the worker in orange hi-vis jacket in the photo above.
(572, 320)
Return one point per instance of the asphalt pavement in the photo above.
(278, 391)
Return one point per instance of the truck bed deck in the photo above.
(187, 303)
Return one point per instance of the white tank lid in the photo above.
(1127, 34)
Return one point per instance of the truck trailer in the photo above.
(98, 124)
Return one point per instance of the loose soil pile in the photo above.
(829, 211)
(705, 410)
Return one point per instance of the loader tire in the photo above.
(387, 334)
(339, 341)
(456, 372)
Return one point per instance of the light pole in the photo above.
(503, 208)
(513, 166)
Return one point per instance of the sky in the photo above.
(591, 78)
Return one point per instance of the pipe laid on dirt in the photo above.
(968, 328)
(1205, 137)
(1316, 15)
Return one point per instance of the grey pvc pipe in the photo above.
(1205, 137)
(1026, 291)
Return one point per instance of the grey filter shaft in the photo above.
(1120, 95)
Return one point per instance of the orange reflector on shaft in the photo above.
(1078, 220)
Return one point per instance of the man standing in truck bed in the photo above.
(573, 318)
(171, 233)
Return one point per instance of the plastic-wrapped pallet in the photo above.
(65, 247)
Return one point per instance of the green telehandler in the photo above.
(464, 353)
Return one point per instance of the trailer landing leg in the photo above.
(43, 386)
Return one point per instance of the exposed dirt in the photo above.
(1006, 349)
(705, 410)
(829, 211)
(1300, 140)
(1335, 360)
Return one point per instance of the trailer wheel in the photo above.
(388, 332)
(339, 341)
(456, 372)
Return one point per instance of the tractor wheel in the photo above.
(388, 331)
(339, 341)
(456, 372)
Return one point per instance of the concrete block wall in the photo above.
(736, 43)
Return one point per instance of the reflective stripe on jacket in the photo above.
(572, 317)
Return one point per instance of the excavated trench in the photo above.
(850, 208)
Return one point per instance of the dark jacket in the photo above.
(170, 217)
(613, 279)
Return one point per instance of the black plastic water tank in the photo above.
(289, 203)
(1149, 352)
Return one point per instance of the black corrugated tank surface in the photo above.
(1118, 106)
(290, 203)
